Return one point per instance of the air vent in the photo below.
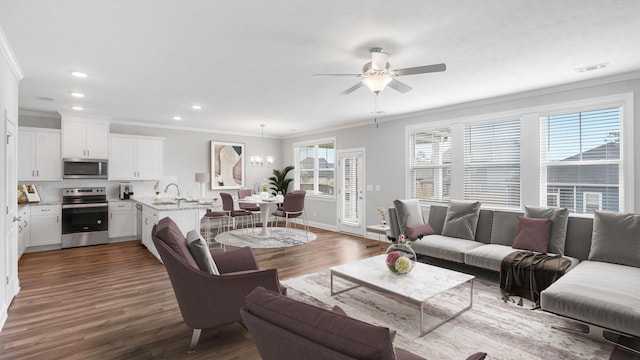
(44, 98)
(592, 67)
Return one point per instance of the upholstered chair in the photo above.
(292, 207)
(229, 208)
(284, 328)
(206, 300)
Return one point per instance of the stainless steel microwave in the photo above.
(85, 168)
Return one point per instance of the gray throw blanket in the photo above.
(526, 274)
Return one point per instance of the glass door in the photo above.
(351, 191)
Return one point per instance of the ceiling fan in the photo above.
(378, 74)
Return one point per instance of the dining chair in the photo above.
(292, 207)
(232, 212)
(255, 209)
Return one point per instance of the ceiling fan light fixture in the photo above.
(377, 83)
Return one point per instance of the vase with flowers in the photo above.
(156, 191)
(400, 257)
(383, 213)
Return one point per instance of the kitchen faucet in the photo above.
(177, 189)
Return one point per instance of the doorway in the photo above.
(351, 197)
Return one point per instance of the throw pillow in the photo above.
(462, 219)
(418, 231)
(200, 252)
(559, 219)
(616, 238)
(532, 234)
(408, 213)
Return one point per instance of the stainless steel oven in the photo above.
(85, 217)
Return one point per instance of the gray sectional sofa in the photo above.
(603, 295)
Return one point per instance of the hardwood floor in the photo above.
(115, 301)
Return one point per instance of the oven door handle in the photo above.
(79, 206)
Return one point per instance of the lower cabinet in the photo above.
(186, 220)
(46, 225)
(24, 229)
(121, 219)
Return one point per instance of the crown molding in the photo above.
(185, 128)
(5, 49)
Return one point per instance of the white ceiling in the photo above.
(252, 62)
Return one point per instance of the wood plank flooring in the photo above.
(115, 301)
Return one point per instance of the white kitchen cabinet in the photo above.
(46, 225)
(187, 220)
(149, 218)
(24, 229)
(85, 139)
(121, 219)
(39, 154)
(135, 157)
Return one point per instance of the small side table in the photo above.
(379, 229)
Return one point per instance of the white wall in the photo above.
(386, 145)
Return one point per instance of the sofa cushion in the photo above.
(341, 333)
(532, 234)
(200, 252)
(414, 232)
(488, 256)
(503, 229)
(559, 218)
(616, 238)
(462, 219)
(600, 293)
(444, 247)
(408, 213)
(167, 231)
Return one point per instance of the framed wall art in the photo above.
(227, 165)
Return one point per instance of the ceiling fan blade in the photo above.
(420, 70)
(329, 75)
(399, 86)
(378, 60)
(352, 89)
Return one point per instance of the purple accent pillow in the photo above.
(532, 234)
(414, 232)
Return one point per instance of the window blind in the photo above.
(492, 163)
(430, 165)
(581, 162)
(350, 212)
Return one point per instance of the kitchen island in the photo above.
(186, 214)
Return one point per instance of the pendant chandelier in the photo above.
(261, 160)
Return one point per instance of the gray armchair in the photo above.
(205, 300)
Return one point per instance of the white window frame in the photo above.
(316, 169)
(411, 181)
(530, 170)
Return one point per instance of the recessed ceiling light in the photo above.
(196, 107)
(79, 74)
(77, 108)
(177, 118)
(77, 95)
(592, 67)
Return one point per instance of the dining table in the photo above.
(265, 207)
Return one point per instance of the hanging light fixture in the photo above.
(261, 160)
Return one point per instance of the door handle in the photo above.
(37, 173)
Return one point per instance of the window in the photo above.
(492, 163)
(315, 165)
(581, 162)
(430, 165)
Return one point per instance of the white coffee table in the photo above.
(422, 283)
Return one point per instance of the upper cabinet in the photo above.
(86, 139)
(135, 157)
(39, 154)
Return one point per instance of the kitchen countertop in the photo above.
(161, 205)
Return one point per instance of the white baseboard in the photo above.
(323, 226)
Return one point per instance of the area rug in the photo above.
(280, 237)
(503, 330)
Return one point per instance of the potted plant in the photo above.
(279, 182)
